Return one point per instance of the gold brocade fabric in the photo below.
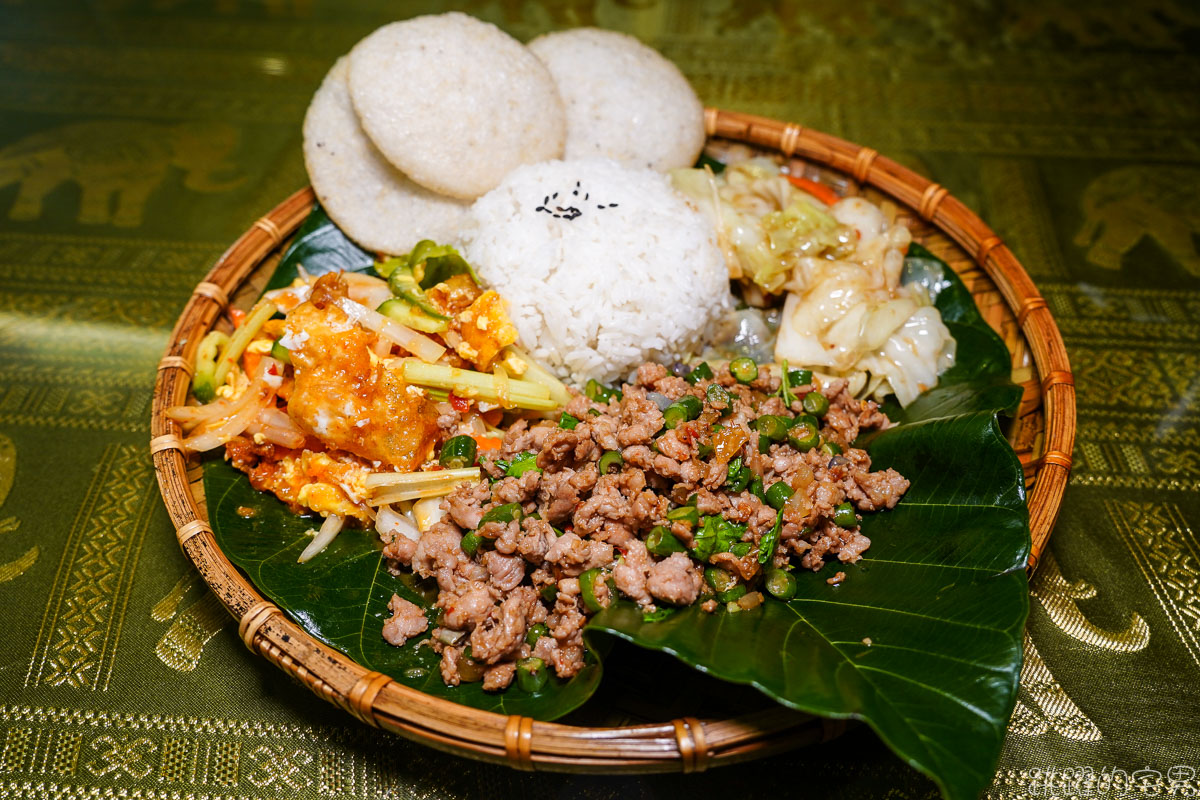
(139, 137)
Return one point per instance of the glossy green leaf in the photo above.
(923, 638)
(319, 246)
(922, 641)
(341, 596)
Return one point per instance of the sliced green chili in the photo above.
(720, 580)
(804, 436)
(717, 396)
(661, 542)
(831, 448)
(844, 516)
(505, 513)
(470, 543)
(682, 410)
(781, 584)
(778, 494)
(743, 369)
(458, 453)
(773, 427)
(532, 674)
(549, 592)
(600, 393)
(816, 404)
(701, 372)
(588, 583)
(610, 459)
(536, 632)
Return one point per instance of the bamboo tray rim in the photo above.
(686, 744)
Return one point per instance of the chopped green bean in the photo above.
(718, 397)
(764, 444)
(720, 580)
(532, 674)
(831, 448)
(701, 372)
(773, 427)
(781, 584)
(536, 632)
(816, 404)
(567, 422)
(588, 582)
(804, 436)
(610, 459)
(661, 542)
(731, 595)
(458, 453)
(743, 369)
(549, 592)
(600, 393)
(682, 410)
(505, 513)
(470, 543)
(844, 516)
(799, 377)
(778, 494)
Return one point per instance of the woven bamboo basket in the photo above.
(1042, 433)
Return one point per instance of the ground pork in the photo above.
(572, 520)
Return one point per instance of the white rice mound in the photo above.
(455, 102)
(635, 275)
(624, 100)
(369, 199)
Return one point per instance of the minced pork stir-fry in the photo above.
(531, 505)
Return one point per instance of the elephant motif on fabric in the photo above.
(117, 164)
(1125, 205)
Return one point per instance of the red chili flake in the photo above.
(460, 404)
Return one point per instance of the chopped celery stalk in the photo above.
(392, 487)
(204, 384)
(281, 353)
(476, 385)
(241, 337)
(536, 373)
(400, 311)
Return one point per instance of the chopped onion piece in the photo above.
(421, 346)
(390, 521)
(330, 528)
(248, 406)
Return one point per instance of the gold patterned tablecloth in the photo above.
(139, 137)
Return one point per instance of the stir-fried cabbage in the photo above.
(847, 312)
(763, 222)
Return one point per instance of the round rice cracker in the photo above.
(454, 102)
(369, 199)
(624, 100)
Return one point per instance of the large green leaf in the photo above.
(319, 246)
(923, 639)
(341, 595)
